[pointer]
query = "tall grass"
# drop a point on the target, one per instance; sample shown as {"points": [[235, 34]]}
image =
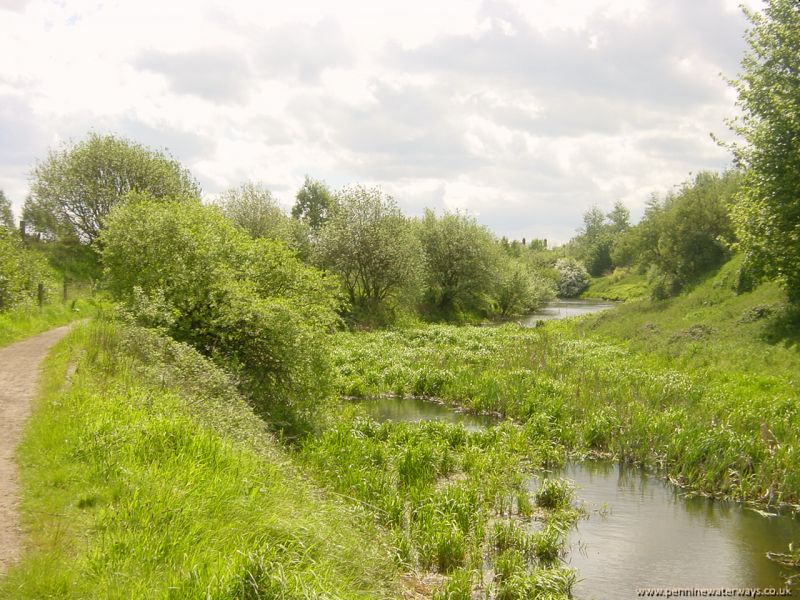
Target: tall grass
{"points": [[714, 402], [25, 321], [148, 477]]}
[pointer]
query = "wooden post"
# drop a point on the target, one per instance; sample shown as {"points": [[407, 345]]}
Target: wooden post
{"points": [[22, 230], [40, 295]]}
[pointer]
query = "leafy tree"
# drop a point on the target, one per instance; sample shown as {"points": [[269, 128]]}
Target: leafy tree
{"points": [[596, 239], [22, 269], [767, 213], [6, 214], [573, 277], [313, 203], [461, 260], [74, 189], [519, 291], [684, 235], [250, 304], [370, 244], [253, 209]]}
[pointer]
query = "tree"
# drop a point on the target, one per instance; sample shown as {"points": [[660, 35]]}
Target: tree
{"points": [[573, 278], [249, 304], [767, 211], [22, 269], [313, 203], [461, 261], [6, 214], [370, 245], [74, 189], [253, 209]]}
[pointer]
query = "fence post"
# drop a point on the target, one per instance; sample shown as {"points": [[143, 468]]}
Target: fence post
{"points": [[40, 295]]}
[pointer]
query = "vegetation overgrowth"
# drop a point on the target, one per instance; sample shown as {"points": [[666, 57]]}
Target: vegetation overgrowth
{"points": [[722, 422], [455, 502], [23, 322], [148, 476]]}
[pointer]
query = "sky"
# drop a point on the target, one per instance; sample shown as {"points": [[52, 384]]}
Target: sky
{"points": [[522, 113]]}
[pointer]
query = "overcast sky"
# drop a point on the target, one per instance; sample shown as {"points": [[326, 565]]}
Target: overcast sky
{"points": [[524, 113]]}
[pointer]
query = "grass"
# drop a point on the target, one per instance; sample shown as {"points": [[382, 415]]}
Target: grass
{"points": [[437, 489], [22, 322], [703, 386], [620, 285], [149, 477]]}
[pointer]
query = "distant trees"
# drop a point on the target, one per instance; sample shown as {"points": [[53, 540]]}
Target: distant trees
{"points": [[767, 211], [461, 260], [6, 215], [594, 242], [74, 189], [253, 209], [572, 277], [684, 235], [370, 245], [313, 203]]}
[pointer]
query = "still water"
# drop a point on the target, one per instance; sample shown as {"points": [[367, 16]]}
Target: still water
{"points": [[642, 532], [564, 308], [416, 409]]}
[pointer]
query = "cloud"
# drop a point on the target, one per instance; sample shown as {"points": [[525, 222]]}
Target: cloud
{"points": [[299, 52], [217, 75], [524, 113]]}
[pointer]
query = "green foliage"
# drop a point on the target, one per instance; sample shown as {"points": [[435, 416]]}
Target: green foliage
{"points": [[572, 277], [313, 203], [251, 304], [74, 189], [622, 284], [683, 236], [254, 210], [600, 231], [704, 357], [767, 211], [6, 214], [150, 477], [462, 262], [554, 494], [370, 245], [22, 269], [519, 291]]}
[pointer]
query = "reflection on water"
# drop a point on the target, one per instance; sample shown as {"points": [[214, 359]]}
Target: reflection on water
{"points": [[417, 409], [642, 532], [561, 309]]}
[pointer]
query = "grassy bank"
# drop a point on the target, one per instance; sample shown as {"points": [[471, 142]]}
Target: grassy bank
{"points": [[621, 285], [724, 430], [23, 322], [148, 477]]}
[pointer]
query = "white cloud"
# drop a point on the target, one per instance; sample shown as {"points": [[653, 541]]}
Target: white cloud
{"points": [[522, 112]]}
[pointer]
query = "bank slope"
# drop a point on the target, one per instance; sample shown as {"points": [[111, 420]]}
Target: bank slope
{"points": [[148, 477]]}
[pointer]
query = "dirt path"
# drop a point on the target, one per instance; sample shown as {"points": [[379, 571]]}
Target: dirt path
{"points": [[20, 364]]}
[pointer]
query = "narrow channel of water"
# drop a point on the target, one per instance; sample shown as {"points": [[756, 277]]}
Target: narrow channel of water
{"points": [[565, 308], [417, 409], [642, 532]]}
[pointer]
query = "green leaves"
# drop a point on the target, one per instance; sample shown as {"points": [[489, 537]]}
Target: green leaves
{"points": [[75, 188], [767, 212], [250, 304]]}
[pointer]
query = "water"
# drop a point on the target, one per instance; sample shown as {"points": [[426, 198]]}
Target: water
{"points": [[644, 532], [417, 409], [562, 309]]}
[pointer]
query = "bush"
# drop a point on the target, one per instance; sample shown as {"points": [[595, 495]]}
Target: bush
{"points": [[572, 277], [249, 304], [21, 271]]}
